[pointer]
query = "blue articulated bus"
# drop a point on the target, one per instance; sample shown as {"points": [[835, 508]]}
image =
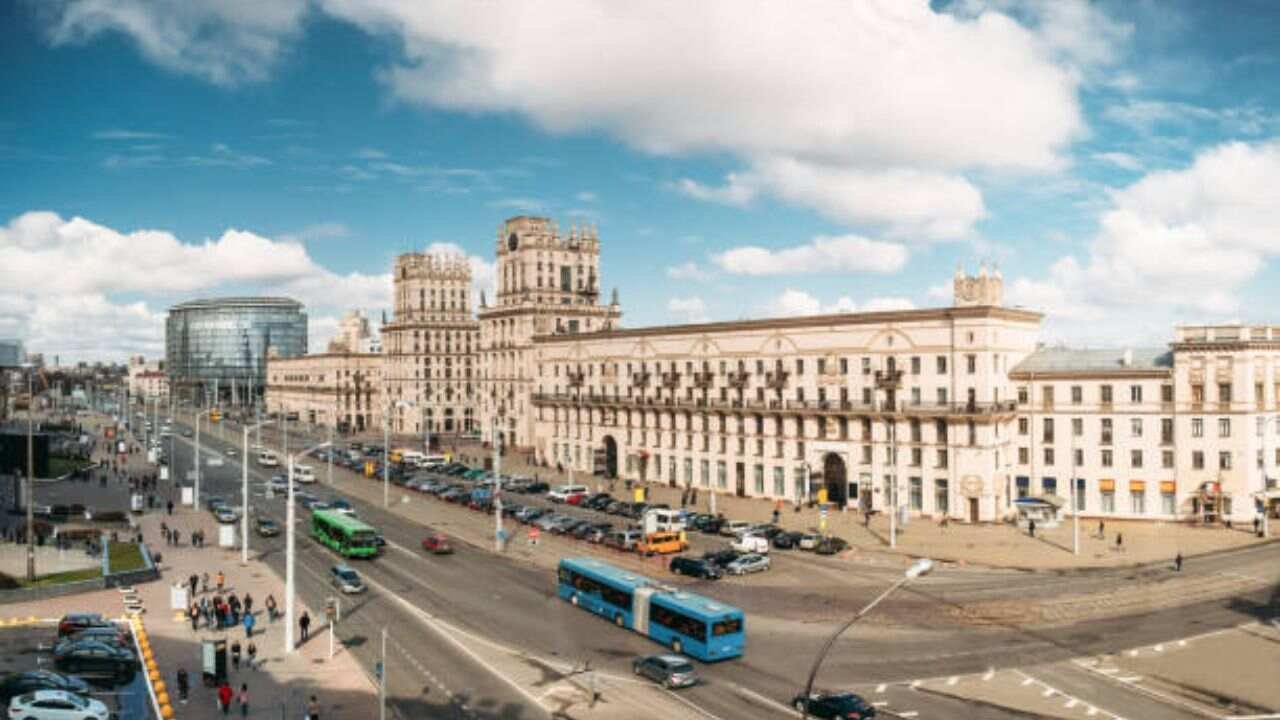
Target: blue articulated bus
{"points": [[687, 623]]}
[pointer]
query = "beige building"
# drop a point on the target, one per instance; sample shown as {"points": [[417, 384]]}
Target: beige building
{"points": [[547, 284], [355, 335], [342, 390], [147, 379], [431, 346]]}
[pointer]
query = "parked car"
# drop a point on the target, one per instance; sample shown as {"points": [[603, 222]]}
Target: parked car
{"points": [[537, 487], [95, 658], [113, 635], [834, 705], [598, 501], [809, 541], [267, 527], [729, 528], [586, 529], [694, 567], [616, 507], [670, 671], [750, 543], [437, 544], [787, 540], [623, 539], [598, 532], [224, 514], [18, 683], [528, 514], [750, 563], [75, 622], [661, 543], [831, 546], [57, 705], [721, 558], [346, 579], [564, 492]]}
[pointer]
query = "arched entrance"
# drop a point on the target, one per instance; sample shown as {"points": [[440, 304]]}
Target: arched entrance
{"points": [[836, 478], [610, 457]]}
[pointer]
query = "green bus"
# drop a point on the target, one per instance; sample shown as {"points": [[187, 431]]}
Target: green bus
{"points": [[344, 534]]}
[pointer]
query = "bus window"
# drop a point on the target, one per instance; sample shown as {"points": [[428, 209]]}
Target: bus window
{"points": [[731, 626]]}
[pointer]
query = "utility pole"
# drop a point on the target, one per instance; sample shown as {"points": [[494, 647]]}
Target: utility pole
{"points": [[196, 490], [497, 480], [244, 500], [329, 454], [1075, 507], [290, 561], [31, 476], [382, 679], [893, 489]]}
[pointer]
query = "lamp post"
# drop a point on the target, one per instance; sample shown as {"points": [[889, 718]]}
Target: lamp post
{"points": [[31, 472], [497, 480], [1075, 506], [290, 551], [920, 568], [195, 493], [893, 488], [1266, 530], [386, 449], [244, 494]]}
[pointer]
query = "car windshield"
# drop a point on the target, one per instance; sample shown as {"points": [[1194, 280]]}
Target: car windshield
{"points": [[349, 576], [681, 668]]}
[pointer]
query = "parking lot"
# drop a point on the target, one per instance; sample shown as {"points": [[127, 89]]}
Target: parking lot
{"points": [[30, 647]]}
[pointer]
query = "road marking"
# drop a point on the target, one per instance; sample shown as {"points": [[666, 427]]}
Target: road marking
{"points": [[908, 714], [880, 688], [761, 698], [990, 673], [952, 680], [1050, 691]]}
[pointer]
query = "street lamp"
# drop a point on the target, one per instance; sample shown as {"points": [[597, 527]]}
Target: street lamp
{"points": [[244, 493], [1075, 505], [1266, 531], [31, 471], [195, 493], [386, 449], [290, 552], [920, 568]]}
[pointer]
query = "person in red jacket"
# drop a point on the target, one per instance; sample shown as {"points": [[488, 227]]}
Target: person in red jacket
{"points": [[225, 695]]}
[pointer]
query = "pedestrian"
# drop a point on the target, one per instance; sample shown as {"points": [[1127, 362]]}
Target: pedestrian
{"points": [[235, 655], [304, 623], [313, 709], [184, 685], [204, 580], [252, 653], [1119, 541], [1031, 527], [221, 580], [1177, 562], [1102, 530], [244, 700], [170, 507], [194, 582], [224, 697], [248, 603], [248, 625], [1257, 525], [194, 612], [271, 608], [177, 537], [164, 529]]}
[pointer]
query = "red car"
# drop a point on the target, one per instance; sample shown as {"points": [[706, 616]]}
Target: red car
{"points": [[437, 545], [576, 499]]}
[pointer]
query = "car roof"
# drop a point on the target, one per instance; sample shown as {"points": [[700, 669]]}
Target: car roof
{"points": [[343, 566], [670, 659], [37, 695]]}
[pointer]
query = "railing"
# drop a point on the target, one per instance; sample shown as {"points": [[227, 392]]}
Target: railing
{"points": [[739, 379], [703, 379], [775, 404], [776, 379], [671, 380], [888, 379]]}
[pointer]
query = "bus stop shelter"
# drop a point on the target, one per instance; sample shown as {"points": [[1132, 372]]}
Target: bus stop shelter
{"points": [[1046, 511]]}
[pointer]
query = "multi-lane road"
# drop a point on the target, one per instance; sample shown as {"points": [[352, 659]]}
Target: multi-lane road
{"points": [[457, 622]]}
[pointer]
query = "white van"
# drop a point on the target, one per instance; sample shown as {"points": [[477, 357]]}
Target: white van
{"points": [[266, 458], [663, 520], [304, 474], [562, 493], [412, 458]]}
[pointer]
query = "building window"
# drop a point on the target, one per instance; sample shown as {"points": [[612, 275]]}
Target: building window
{"points": [[1166, 430], [1022, 395], [1106, 431], [1024, 456], [704, 469], [942, 458], [1023, 485], [1077, 457], [916, 493], [1106, 458], [1224, 460], [915, 365], [1166, 459], [1024, 426], [1077, 394], [1224, 427], [1106, 394], [1048, 456], [720, 474], [1080, 496], [1135, 458], [971, 363], [1077, 427], [779, 482], [1166, 393], [1168, 503], [941, 498], [1135, 427], [866, 366], [1197, 459], [1197, 427], [1135, 393], [1108, 501], [1138, 502], [1048, 430], [1224, 392], [759, 479]]}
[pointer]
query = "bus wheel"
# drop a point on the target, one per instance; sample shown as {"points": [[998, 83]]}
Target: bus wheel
{"points": [[617, 619], [574, 600], [677, 646]]}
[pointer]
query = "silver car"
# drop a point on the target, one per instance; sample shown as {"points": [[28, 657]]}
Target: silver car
{"points": [[748, 564], [670, 671]]}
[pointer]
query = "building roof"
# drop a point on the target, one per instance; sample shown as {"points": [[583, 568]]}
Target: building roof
{"points": [[1072, 361], [231, 302]]}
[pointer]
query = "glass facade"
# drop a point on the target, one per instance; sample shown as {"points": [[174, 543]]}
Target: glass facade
{"points": [[220, 347]]}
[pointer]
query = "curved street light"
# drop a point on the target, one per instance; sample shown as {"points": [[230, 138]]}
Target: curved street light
{"points": [[244, 490], [918, 569], [290, 542]]}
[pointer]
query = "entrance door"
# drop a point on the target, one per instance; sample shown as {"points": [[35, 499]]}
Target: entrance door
{"points": [[740, 475], [973, 510], [610, 457], [835, 478]]}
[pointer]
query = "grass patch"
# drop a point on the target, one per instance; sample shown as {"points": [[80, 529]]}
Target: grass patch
{"points": [[61, 578], [60, 466], [126, 557]]}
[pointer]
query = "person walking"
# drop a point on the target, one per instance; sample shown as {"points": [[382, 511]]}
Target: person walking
{"points": [[177, 537], [1119, 541], [248, 625], [204, 582], [313, 709], [1177, 562], [194, 614], [304, 624], [1102, 530], [194, 582], [251, 653], [243, 699], [224, 697], [184, 685], [271, 608], [1031, 527], [235, 656], [221, 580], [169, 506]]}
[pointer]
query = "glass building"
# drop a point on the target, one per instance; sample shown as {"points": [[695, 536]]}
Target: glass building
{"points": [[11, 353], [217, 349]]}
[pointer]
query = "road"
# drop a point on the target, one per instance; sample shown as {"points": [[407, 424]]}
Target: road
{"points": [[494, 598]]}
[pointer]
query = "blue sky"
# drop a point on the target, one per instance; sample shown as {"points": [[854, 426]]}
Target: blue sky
{"points": [[1118, 160]]}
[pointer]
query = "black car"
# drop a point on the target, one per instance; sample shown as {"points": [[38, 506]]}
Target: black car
{"points": [[720, 558], [616, 507], [15, 684], [709, 524], [75, 622], [787, 540], [90, 657], [599, 501], [834, 705], [110, 634], [694, 567], [536, 487], [830, 546]]}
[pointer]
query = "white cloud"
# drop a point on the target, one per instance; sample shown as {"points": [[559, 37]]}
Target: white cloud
{"points": [[369, 153], [689, 310], [824, 254], [319, 231], [586, 196], [1122, 160], [1186, 241], [224, 42], [128, 135], [738, 190], [792, 302], [107, 297], [688, 271], [523, 204]]}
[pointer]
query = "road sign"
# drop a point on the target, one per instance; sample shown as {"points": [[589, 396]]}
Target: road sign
{"points": [[822, 496]]}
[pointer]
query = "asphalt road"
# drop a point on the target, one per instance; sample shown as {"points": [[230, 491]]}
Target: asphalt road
{"points": [[498, 599]]}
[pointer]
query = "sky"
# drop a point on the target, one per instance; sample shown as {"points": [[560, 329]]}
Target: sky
{"points": [[1119, 162]]}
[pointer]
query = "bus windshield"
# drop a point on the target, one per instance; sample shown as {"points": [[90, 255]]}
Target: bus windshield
{"points": [[363, 538]]}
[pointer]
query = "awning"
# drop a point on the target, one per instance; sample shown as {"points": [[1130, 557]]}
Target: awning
{"points": [[1137, 486], [1168, 486], [1106, 485]]}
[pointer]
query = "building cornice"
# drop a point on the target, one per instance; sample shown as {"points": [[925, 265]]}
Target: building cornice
{"points": [[1224, 345], [1117, 374]]}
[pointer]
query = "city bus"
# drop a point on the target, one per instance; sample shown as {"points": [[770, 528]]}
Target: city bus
{"points": [[344, 534], [687, 623]]}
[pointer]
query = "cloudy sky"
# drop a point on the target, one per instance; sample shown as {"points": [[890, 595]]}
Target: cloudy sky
{"points": [[1120, 161]]}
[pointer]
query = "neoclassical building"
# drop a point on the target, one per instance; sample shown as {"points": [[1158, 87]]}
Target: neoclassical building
{"points": [[957, 410]]}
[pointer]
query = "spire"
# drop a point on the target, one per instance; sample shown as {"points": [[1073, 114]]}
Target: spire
{"points": [[482, 301], [614, 300]]}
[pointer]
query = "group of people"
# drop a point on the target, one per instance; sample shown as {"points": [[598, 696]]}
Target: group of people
{"points": [[221, 613]]}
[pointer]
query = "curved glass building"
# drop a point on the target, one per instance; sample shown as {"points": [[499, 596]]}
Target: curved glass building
{"points": [[217, 349]]}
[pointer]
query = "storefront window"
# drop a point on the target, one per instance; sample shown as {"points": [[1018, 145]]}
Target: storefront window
{"points": [[941, 496], [779, 482], [1138, 502], [1108, 502], [917, 493], [720, 474], [759, 478], [1168, 503]]}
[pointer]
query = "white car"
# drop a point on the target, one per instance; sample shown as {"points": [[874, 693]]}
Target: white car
{"points": [[748, 564], [751, 543], [224, 514], [214, 461], [564, 492], [733, 527], [57, 705]]}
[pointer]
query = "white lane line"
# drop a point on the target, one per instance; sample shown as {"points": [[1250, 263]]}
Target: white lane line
{"points": [[762, 699], [990, 673], [880, 688], [953, 680], [1050, 691]]}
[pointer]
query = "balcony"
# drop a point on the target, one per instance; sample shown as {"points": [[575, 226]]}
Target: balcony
{"points": [[739, 379], [777, 379], [641, 379], [575, 378], [888, 379], [703, 380], [671, 380]]}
